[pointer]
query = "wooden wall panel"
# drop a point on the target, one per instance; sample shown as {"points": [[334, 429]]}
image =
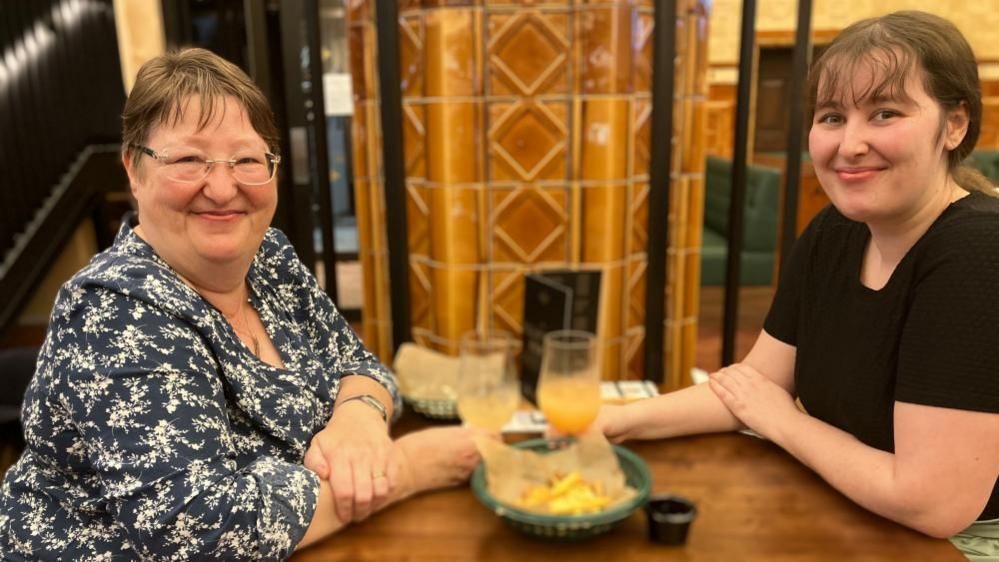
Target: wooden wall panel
{"points": [[989, 138], [720, 120], [139, 27], [978, 21]]}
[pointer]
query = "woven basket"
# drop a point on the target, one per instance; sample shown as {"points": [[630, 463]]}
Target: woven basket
{"points": [[437, 409], [570, 527]]}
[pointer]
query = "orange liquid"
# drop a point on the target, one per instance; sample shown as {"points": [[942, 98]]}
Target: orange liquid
{"points": [[570, 404]]}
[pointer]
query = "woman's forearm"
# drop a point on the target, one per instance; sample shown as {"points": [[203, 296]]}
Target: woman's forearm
{"points": [[866, 475], [324, 521], [688, 411], [870, 477], [937, 477], [696, 409]]}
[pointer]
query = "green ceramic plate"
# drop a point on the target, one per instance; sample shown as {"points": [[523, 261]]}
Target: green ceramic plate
{"points": [[570, 527]]}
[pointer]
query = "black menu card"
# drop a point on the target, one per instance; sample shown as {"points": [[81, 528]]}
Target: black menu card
{"points": [[559, 299]]}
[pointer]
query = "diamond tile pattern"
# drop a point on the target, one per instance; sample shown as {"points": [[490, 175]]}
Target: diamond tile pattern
{"points": [[411, 71], [642, 137], [639, 211], [420, 294], [529, 225], [528, 141], [418, 218], [636, 293], [507, 302], [528, 54], [642, 46], [414, 138]]}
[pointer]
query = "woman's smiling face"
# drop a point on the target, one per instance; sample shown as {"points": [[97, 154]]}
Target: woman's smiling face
{"points": [[881, 152], [215, 221]]}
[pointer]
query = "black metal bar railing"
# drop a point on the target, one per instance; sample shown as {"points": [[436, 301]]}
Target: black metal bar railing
{"points": [[737, 200], [387, 17], [660, 170], [800, 61], [316, 117], [60, 93]]}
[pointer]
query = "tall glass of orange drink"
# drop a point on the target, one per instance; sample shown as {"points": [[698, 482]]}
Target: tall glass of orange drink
{"points": [[488, 389], [569, 383]]}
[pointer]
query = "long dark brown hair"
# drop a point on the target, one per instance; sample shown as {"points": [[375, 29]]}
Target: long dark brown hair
{"points": [[895, 46]]}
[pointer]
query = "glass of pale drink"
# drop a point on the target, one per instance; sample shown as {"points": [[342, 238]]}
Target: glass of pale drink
{"points": [[488, 389]]}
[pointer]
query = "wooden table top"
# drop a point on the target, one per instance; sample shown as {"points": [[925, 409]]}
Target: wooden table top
{"points": [[755, 503]]}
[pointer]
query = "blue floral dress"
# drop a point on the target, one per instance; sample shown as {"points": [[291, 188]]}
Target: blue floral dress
{"points": [[154, 434]]}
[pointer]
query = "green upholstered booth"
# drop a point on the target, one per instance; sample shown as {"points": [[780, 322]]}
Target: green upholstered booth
{"points": [[760, 221], [987, 162]]}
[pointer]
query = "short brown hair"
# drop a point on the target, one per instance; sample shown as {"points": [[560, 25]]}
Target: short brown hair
{"points": [[896, 45], [164, 84]]}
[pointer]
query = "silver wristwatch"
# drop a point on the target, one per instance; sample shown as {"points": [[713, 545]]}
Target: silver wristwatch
{"points": [[370, 401]]}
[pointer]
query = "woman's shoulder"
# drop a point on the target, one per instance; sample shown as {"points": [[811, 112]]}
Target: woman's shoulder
{"points": [[126, 305], [276, 246], [972, 209], [123, 267], [127, 271], [963, 243], [276, 260], [970, 225], [276, 237]]}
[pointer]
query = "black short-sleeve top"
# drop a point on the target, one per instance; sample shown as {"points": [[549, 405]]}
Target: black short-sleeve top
{"points": [[929, 336]]}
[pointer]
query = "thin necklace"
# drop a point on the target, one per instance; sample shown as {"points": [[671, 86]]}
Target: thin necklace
{"points": [[231, 318], [246, 326]]}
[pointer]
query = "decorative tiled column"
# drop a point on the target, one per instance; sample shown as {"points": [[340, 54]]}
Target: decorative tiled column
{"points": [[369, 186], [526, 134], [687, 190]]}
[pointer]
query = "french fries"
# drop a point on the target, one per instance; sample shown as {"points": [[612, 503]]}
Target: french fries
{"points": [[566, 495]]}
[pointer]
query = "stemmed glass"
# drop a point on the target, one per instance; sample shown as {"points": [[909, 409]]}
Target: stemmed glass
{"points": [[488, 389], [569, 383]]}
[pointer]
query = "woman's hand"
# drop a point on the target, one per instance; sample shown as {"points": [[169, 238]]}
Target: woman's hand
{"points": [[611, 422], [757, 401], [355, 453]]}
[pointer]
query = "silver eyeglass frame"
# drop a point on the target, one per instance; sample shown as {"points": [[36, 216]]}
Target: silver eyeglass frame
{"points": [[209, 163]]}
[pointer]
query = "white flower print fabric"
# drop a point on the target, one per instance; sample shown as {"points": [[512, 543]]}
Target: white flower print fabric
{"points": [[154, 434]]}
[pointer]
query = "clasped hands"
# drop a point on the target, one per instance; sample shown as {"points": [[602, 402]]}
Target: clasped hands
{"points": [[355, 453], [758, 402]]}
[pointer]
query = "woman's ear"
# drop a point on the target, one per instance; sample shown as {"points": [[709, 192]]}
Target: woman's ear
{"points": [[128, 161], [957, 126]]}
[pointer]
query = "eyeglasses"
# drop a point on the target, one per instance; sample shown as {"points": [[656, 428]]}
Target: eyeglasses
{"points": [[188, 165]]}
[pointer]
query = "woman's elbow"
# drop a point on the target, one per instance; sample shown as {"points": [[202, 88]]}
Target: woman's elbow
{"points": [[940, 519], [940, 529], [939, 508]]}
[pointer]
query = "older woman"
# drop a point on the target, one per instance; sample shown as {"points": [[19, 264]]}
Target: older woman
{"points": [[198, 396], [886, 321]]}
